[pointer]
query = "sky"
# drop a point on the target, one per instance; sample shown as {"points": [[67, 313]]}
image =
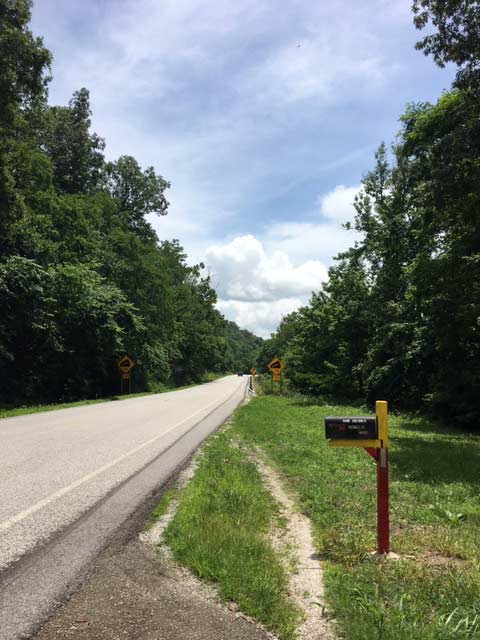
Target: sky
{"points": [[263, 114]]}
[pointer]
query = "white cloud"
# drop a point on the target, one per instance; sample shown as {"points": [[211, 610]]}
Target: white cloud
{"points": [[338, 204], [316, 68], [321, 238], [260, 280], [261, 318], [243, 271], [256, 288]]}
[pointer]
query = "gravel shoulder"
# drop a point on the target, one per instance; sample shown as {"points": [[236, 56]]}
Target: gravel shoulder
{"points": [[134, 593]]}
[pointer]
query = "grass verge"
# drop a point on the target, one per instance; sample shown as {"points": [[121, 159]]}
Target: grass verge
{"points": [[220, 531], [435, 513]]}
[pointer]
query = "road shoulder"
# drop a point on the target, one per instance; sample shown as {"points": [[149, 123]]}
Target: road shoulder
{"points": [[133, 593]]}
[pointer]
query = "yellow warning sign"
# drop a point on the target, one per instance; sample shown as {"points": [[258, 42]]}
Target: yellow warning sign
{"points": [[125, 364], [276, 366]]}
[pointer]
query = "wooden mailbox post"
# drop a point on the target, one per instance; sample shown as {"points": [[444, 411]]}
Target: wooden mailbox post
{"points": [[369, 433]]}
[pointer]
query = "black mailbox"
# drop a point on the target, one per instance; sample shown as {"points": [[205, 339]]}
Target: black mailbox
{"points": [[351, 428]]}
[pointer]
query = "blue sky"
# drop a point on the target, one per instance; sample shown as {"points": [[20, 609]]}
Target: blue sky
{"points": [[264, 115]]}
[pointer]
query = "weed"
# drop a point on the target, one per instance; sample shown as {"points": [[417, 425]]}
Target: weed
{"points": [[162, 506]]}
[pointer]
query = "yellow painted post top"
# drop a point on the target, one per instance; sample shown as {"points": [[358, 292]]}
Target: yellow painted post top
{"points": [[359, 444], [381, 410]]}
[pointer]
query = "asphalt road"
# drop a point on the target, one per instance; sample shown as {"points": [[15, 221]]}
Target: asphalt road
{"points": [[70, 478]]}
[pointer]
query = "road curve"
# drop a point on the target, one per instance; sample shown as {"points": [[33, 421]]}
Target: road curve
{"points": [[70, 478]]}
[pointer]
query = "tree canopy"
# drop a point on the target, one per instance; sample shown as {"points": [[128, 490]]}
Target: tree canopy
{"points": [[456, 38], [399, 317], [83, 276]]}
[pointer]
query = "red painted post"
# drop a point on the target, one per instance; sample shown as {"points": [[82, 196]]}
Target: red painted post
{"points": [[383, 517]]}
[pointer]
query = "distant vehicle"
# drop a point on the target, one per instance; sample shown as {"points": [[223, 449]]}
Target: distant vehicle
{"points": [[240, 373]]}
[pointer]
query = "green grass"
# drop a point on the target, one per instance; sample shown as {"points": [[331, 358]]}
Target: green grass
{"points": [[162, 506], [221, 532], [435, 514], [11, 412]]}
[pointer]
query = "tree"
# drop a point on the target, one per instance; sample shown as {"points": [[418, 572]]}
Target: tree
{"points": [[136, 192], [24, 70], [398, 318], [83, 276], [442, 143], [76, 154], [457, 36], [242, 348], [24, 66], [28, 333]]}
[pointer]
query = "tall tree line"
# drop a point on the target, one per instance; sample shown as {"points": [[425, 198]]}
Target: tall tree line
{"points": [[399, 317], [83, 275]]}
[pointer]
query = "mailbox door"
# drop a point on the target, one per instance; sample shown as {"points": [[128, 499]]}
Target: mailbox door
{"points": [[351, 428]]}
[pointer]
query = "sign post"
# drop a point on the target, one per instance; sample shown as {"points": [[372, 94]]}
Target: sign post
{"points": [[125, 366], [371, 434]]}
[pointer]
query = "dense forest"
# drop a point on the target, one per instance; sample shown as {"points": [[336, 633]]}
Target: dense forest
{"points": [[399, 318], [83, 275]]}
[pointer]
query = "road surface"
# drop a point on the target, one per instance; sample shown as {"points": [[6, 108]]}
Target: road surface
{"points": [[70, 478]]}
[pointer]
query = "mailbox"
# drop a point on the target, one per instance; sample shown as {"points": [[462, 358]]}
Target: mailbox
{"points": [[351, 428]]}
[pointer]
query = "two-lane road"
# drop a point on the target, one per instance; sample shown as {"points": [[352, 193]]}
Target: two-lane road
{"points": [[69, 478]]}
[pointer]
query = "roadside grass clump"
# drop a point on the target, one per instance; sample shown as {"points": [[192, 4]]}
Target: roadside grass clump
{"points": [[433, 591], [220, 531], [162, 506]]}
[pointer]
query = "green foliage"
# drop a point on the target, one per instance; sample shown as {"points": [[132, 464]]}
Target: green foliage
{"points": [[457, 35], [76, 154], [136, 192], [23, 80], [62, 328], [398, 318], [83, 276], [433, 591], [242, 348], [24, 59]]}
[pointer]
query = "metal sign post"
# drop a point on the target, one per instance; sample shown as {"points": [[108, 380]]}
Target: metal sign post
{"points": [[370, 434], [125, 381]]}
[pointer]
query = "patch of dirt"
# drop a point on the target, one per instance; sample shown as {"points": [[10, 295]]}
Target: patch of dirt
{"points": [[296, 545], [132, 594], [137, 592], [435, 559]]}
